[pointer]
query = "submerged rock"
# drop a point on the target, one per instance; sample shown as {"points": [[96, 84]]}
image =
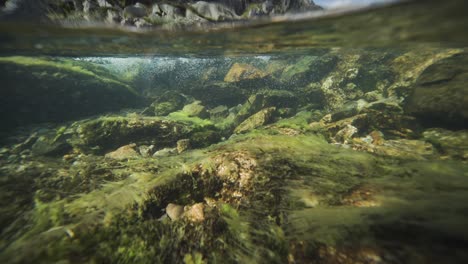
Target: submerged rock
{"points": [[165, 152], [166, 103], [385, 115], [440, 96], [453, 144], [146, 151], [345, 134], [47, 142], [257, 120], [174, 211], [183, 145], [241, 72], [111, 132], [308, 69], [46, 90], [218, 112], [254, 104], [195, 213], [348, 110], [124, 153], [195, 109], [205, 138], [248, 184], [398, 148], [48, 146]]}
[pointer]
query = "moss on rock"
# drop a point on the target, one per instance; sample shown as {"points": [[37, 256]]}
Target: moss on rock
{"points": [[45, 90], [108, 133]]}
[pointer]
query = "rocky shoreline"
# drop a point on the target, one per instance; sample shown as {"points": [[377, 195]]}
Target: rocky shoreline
{"points": [[141, 14]]}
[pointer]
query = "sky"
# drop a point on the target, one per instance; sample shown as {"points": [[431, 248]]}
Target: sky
{"points": [[340, 3]]}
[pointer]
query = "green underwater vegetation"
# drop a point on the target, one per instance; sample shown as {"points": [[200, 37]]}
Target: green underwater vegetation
{"points": [[326, 141]]}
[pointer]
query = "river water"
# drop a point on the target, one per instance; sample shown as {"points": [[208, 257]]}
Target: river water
{"points": [[334, 136]]}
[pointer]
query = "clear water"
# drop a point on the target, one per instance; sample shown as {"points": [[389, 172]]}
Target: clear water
{"points": [[331, 137]]}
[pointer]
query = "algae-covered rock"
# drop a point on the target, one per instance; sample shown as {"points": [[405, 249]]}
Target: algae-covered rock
{"points": [[280, 98], [48, 146], [403, 149], [347, 188], [218, 112], [345, 134], [343, 74], [349, 109], [167, 103], [165, 152], [452, 144], [49, 142], [183, 145], [385, 115], [257, 120], [51, 90], [308, 69], [108, 133], [124, 153], [240, 72], [146, 151], [410, 65], [195, 109], [440, 95], [288, 190], [204, 138], [254, 104]]}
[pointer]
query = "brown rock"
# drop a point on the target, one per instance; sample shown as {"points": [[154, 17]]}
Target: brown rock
{"points": [[241, 71], [183, 145], [123, 153], [259, 119], [174, 211], [195, 213]]}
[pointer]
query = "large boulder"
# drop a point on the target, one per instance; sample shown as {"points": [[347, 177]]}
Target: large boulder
{"points": [[440, 96], [46, 90]]}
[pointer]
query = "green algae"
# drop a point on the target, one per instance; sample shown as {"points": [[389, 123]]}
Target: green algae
{"points": [[299, 122], [272, 216], [194, 121], [110, 132], [278, 193], [65, 67]]}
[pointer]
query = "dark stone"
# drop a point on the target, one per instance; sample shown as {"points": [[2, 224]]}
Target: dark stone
{"points": [[40, 90], [440, 96]]}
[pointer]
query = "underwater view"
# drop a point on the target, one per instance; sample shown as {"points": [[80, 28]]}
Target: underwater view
{"points": [[233, 131]]}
